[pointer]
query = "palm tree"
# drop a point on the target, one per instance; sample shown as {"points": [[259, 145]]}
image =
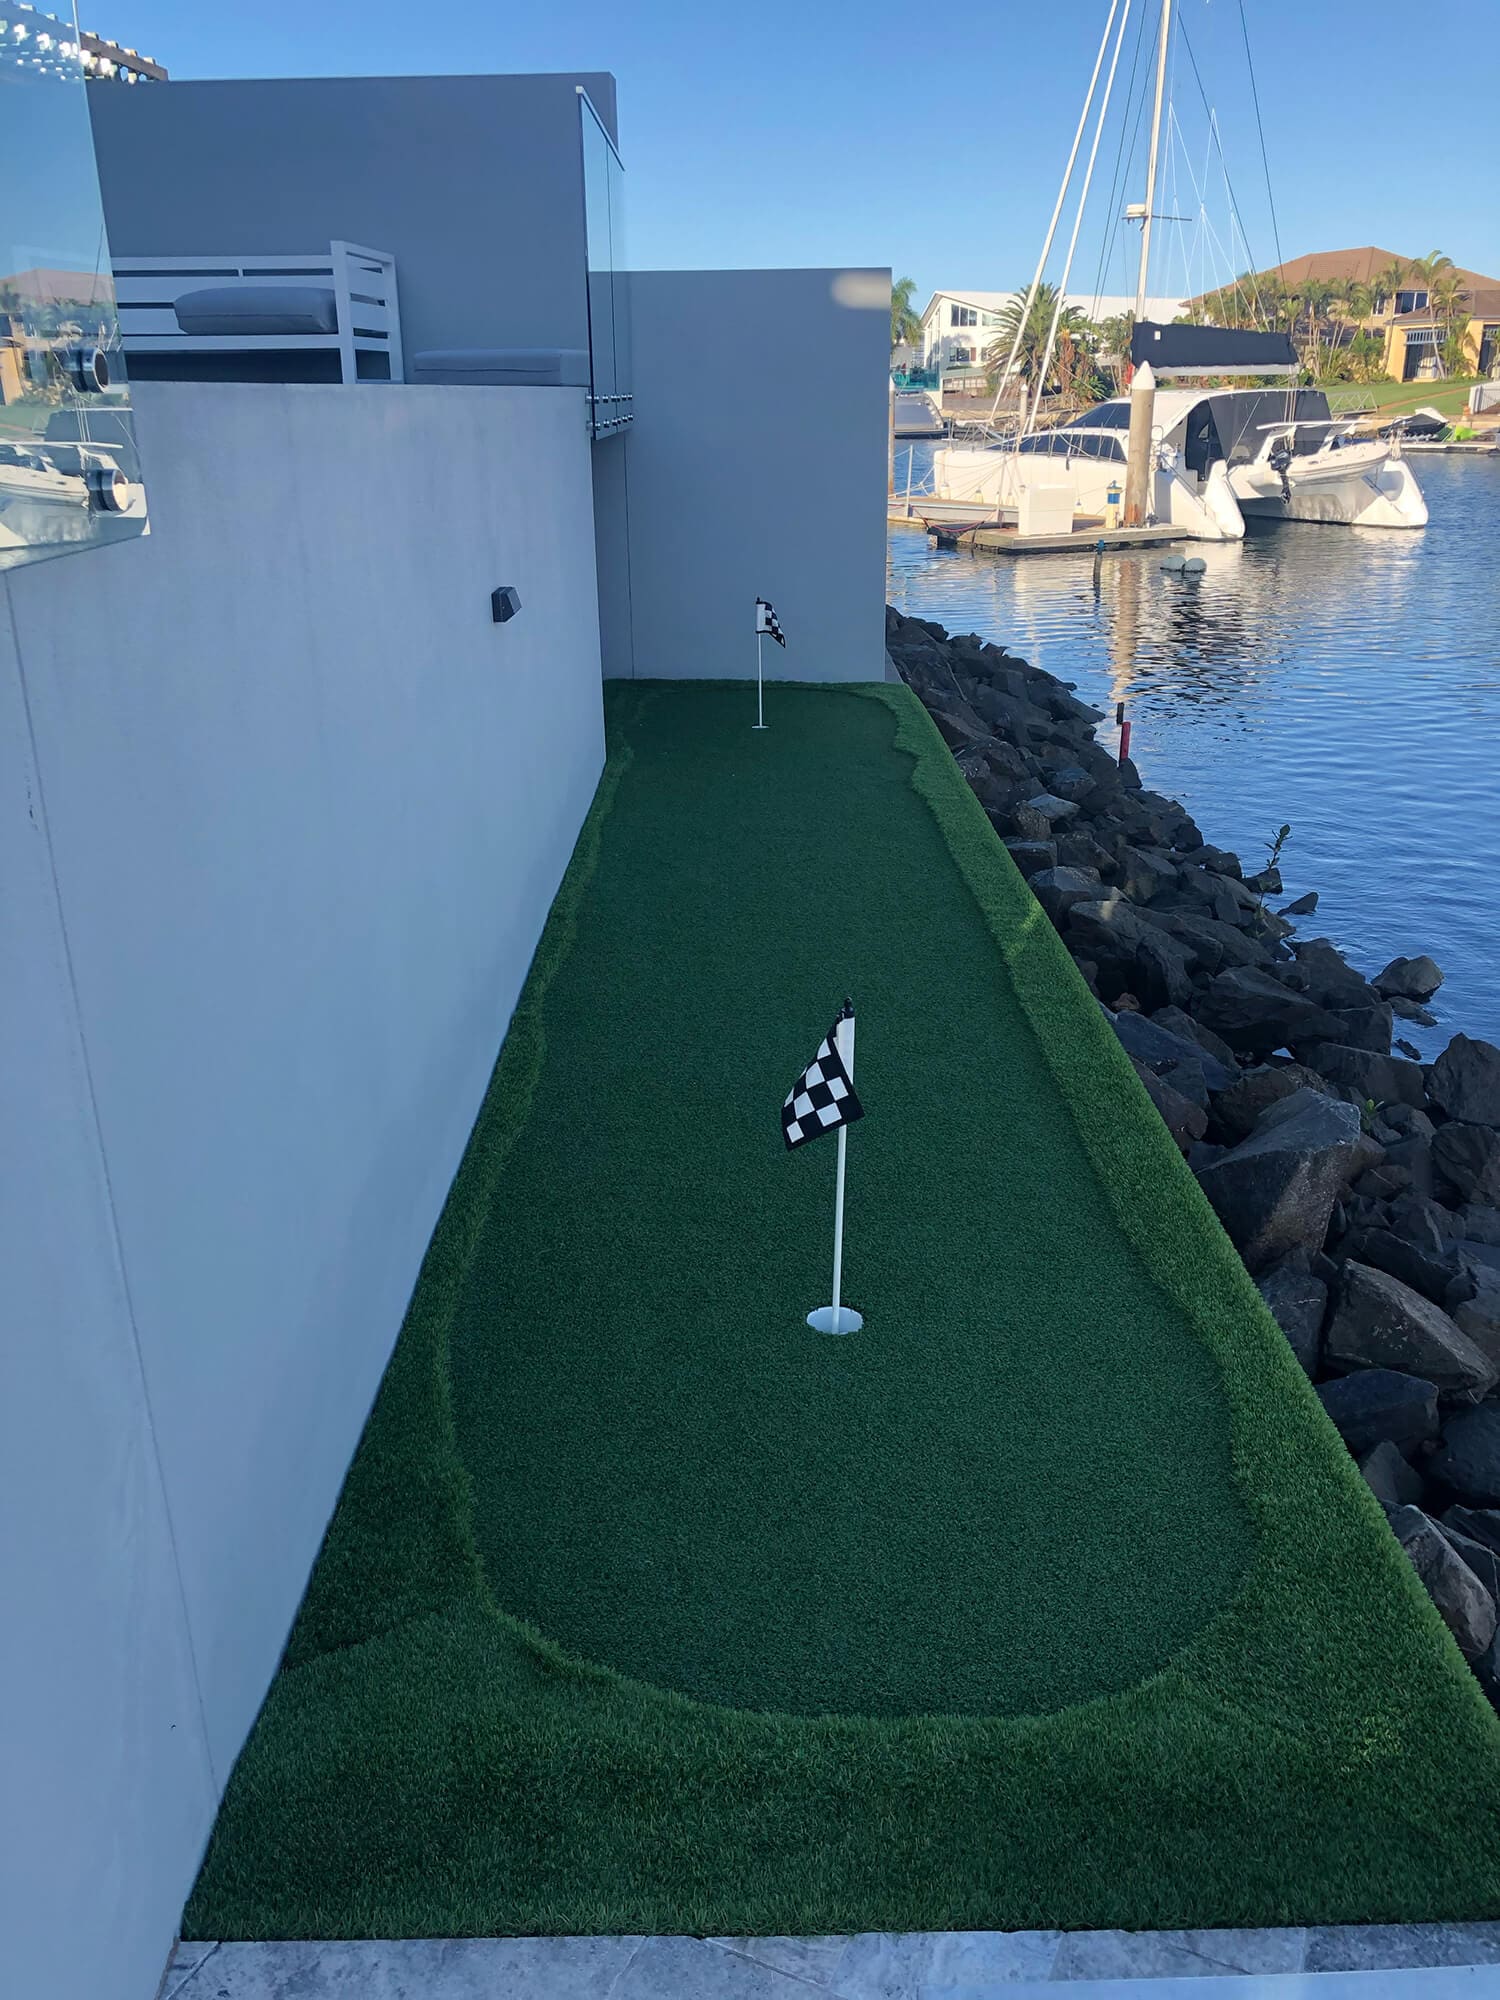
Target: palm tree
{"points": [[1447, 295], [1035, 327], [906, 327], [1317, 299], [1113, 345], [1349, 306], [1388, 282], [1433, 265], [1448, 298]]}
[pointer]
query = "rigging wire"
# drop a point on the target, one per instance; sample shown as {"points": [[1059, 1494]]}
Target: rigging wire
{"points": [[1062, 195], [1264, 156], [1235, 211], [1062, 288], [1113, 221]]}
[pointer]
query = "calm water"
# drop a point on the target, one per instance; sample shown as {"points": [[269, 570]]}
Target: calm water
{"points": [[1346, 680]]}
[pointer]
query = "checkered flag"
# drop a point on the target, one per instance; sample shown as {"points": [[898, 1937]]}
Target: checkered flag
{"points": [[766, 620], [823, 1096]]}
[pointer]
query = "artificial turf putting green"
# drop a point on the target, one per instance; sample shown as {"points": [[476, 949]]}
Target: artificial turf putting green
{"points": [[1051, 1599]]}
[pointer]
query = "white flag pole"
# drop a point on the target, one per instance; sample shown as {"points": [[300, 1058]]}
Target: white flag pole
{"points": [[838, 1229], [760, 700], [839, 1318]]}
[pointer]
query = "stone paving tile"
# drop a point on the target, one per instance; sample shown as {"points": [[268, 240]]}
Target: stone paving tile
{"points": [[1367, 1947], [681, 1968], [417, 1969], [989, 1959], [1165, 1954], [812, 1958], [1447, 1982], [885, 1965], [184, 1962]]}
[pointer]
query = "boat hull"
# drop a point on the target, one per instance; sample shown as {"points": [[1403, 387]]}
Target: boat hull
{"points": [[1383, 494]]}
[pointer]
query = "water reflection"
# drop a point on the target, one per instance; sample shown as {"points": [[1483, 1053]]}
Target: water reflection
{"points": [[1345, 679], [69, 474]]}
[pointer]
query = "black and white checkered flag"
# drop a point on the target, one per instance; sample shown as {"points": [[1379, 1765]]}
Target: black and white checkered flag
{"points": [[766, 620], [823, 1096]]}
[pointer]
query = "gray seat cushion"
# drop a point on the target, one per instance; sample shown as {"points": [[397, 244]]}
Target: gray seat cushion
{"points": [[538, 367], [258, 309]]}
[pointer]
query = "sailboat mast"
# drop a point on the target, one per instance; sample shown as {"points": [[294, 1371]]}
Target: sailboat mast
{"points": [[1164, 34]]}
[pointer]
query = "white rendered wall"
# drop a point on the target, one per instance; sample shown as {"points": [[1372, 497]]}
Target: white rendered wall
{"points": [[282, 816], [756, 466]]}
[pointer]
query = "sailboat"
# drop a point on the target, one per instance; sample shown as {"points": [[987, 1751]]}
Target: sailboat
{"points": [[1196, 460]]}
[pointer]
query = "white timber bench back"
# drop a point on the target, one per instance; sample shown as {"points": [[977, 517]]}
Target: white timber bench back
{"points": [[341, 300]]}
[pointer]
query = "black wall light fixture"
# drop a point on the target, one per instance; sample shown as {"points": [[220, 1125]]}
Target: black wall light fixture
{"points": [[504, 603]]}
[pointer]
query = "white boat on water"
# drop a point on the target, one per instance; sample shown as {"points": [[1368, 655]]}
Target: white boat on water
{"points": [[1204, 458], [1217, 456]]}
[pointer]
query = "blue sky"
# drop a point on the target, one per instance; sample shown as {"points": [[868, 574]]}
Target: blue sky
{"points": [[782, 133]]}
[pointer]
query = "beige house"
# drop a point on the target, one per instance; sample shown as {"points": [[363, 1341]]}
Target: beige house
{"points": [[1414, 341]]}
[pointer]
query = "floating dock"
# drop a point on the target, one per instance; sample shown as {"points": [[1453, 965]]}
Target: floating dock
{"points": [[1086, 537], [953, 526]]}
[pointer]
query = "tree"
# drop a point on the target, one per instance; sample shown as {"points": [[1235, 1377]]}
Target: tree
{"points": [[1112, 346], [1349, 305], [906, 327], [1455, 351], [1035, 327], [1432, 266], [1449, 301], [1388, 282], [1366, 356], [1318, 296], [1448, 296]]}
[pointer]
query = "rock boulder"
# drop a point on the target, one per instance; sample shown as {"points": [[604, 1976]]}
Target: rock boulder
{"points": [[1386, 1079], [1408, 979], [1480, 1524], [1465, 1081], [1331, 979], [1256, 1014], [1275, 1192], [1469, 1460], [1393, 1481], [1238, 1110], [1032, 855], [1428, 1271], [1159, 1046], [1058, 889], [1378, 1406], [1298, 1301], [1468, 1158], [1377, 1322], [1467, 1607]]}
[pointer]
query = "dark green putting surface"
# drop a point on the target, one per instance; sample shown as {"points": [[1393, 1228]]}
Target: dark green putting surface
{"points": [[1012, 1491], [1049, 1599]]}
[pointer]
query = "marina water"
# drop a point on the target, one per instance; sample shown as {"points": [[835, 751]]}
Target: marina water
{"points": [[1344, 680]]}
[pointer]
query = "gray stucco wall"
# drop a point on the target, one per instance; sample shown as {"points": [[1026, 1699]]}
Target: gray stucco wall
{"points": [[283, 812], [756, 465], [473, 183]]}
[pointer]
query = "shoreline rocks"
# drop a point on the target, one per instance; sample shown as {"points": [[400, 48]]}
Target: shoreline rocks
{"points": [[1360, 1183]]}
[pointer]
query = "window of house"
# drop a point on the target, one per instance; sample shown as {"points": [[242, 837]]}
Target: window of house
{"points": [[964, 316], [962, 355], [989, 319], [1411, 302]]}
